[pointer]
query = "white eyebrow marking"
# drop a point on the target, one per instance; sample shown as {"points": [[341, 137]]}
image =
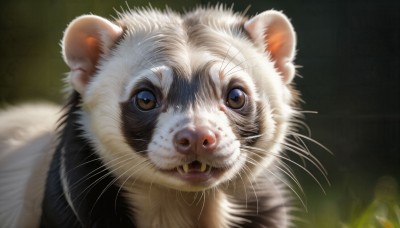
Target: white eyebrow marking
{"points": [[215, 74], [221, 76], [160, 77], [166, 75]]}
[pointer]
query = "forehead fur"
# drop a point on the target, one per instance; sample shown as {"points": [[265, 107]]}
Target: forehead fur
{"points": [[150, 19], [172, 38]]}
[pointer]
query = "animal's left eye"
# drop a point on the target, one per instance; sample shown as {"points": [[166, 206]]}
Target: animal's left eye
{"points": [[145, 100], [236, 98]]}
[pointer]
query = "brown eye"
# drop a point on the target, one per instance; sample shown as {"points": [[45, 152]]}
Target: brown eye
{"points": [[236, 99], [145, 100]]}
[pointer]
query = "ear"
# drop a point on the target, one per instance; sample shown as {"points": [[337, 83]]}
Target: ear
{"points": [[85, 40], [273, 31]]}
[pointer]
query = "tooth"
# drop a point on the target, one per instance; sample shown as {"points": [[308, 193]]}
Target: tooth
{"points": [[185, 168], [203, 167]]}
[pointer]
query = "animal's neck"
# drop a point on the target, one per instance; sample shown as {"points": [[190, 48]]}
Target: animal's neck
{"points": [[79, 188], [157, 206]]}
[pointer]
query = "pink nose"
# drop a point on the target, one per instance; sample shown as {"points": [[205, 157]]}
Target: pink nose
{"points": [[201, 140]]}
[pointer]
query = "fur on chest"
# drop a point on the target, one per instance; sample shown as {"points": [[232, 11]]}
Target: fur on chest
{"points": [[268, 204], [170, 208]]}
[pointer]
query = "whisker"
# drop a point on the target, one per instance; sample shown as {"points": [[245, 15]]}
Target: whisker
{"points": [[184, 199], [150, 187], [289, 160], [244, 188], [245, 168], [303, 149], [230, 60], [313, 141], [129, 177], [242, 69], [292, 177], [106, 174], [288, 172], [148, 164], [226, 55], [308, 112], [301, 124], [238, 65], [202, 206], [298, 141], [87, 177], [290, 187], [101, 168], [311, 158]]}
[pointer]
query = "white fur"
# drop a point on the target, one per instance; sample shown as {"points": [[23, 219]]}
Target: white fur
{"points": [[159, 200], [104, 130], [27, 139], [160, 207], [160, 76], [244, 60], [65, 184]]}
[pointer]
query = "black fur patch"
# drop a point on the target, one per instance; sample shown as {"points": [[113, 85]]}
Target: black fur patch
{"points": [[97, 200], [190, 90], [266, 216], [137, 125], [266, 205], [248, 121]]}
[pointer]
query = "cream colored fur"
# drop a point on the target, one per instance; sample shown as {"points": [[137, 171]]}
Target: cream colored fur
{"points": [[27, 139], [156, 197], [138, 175]]}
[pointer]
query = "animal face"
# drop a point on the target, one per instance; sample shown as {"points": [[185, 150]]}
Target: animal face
{"points": [[190, 101]]}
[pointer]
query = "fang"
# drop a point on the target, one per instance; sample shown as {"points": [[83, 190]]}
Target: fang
{"points": [[185, 168], [203, 167]]}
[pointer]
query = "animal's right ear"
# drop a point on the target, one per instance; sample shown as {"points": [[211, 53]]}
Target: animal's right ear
{"points": [[85, 40]]}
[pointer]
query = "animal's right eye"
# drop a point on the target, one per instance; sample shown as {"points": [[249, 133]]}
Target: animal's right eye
{"points": [[236, 98], [145, 100]]}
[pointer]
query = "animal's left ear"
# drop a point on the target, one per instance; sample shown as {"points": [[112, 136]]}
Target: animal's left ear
{"points": [[273, 31]]}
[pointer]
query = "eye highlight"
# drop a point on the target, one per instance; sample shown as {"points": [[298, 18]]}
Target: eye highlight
{"points": [[236, 98], [145, 100]]}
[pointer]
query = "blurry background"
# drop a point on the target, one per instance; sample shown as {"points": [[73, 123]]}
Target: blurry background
{"points": [[350, 53]]}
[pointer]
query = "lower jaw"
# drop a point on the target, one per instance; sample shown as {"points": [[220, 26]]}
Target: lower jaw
{"points": [[198, 179]]}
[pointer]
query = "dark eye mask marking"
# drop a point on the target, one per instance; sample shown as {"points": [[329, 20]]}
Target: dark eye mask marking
{"points": [[138, 122]]}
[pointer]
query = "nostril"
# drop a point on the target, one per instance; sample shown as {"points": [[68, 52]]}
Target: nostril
{"points": [[208, 139], [184, 140], [199, 140]]}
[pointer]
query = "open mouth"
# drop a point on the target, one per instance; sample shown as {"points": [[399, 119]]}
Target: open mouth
{"points": [[197, 172], [194, 167]]}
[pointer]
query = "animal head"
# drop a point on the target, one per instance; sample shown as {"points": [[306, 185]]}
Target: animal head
{"points": [[185, 101]]}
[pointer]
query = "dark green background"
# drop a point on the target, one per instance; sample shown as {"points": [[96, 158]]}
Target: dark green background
{"points": [[349, 50]]}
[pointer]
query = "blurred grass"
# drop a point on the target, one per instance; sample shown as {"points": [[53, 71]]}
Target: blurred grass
{"points": [[31, 68], [346, 210]]}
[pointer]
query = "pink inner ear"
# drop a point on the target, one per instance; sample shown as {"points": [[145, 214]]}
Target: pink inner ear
{"points": [[273, 31], [85, 40], [93, 46], [275, 41], [280, 46], [82, 56]]}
